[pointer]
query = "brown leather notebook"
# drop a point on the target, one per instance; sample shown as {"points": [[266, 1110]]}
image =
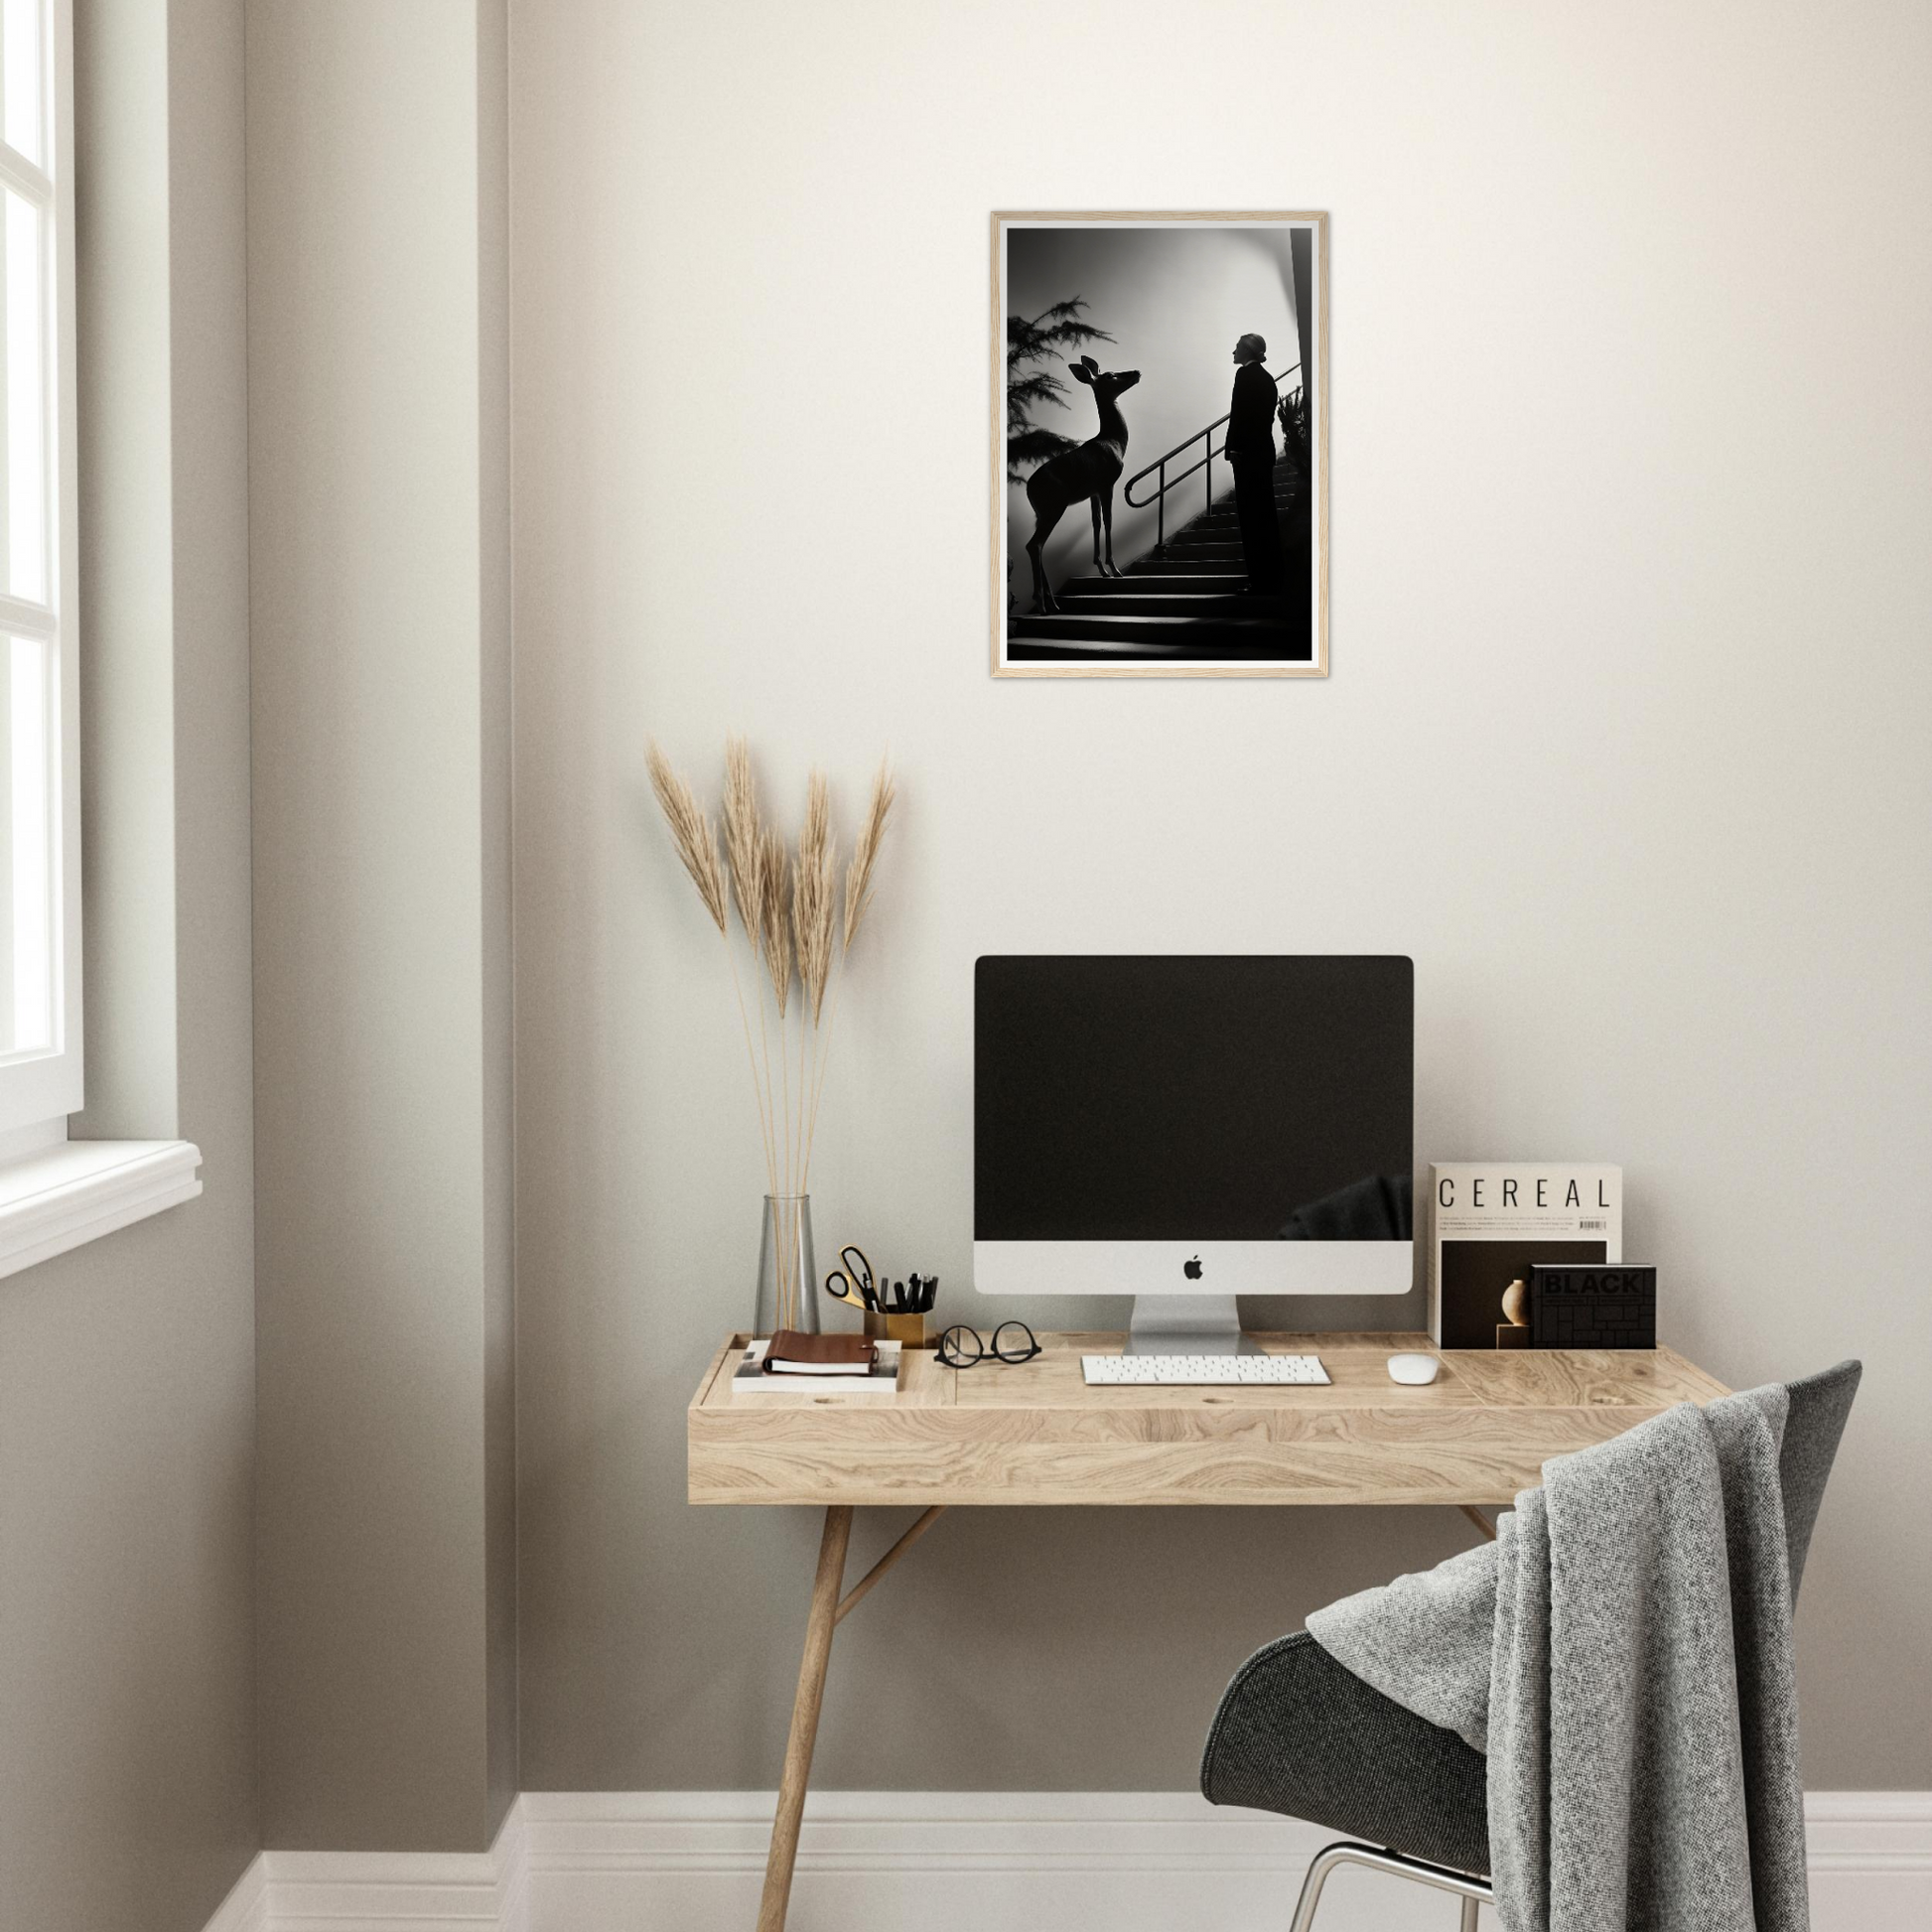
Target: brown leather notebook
{"points": [[793, 1353]]}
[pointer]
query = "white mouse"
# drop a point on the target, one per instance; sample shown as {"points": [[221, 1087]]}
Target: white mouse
{"points": [[1415, 1369]]}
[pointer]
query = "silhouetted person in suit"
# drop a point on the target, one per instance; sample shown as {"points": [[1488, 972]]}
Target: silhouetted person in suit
{"points": [[1250, 450]]}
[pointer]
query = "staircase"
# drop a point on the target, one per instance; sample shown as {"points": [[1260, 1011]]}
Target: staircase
{"points": [[1182, 603]]}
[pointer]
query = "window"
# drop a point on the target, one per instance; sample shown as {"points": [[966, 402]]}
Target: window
{"points": [[39, 846], [54, 1193]]}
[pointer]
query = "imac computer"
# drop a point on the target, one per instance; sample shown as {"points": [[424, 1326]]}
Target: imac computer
{"points": [[1184, 1130]]}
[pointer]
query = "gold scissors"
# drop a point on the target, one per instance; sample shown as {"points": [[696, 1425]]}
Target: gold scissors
{"points": [[852, 1282]]}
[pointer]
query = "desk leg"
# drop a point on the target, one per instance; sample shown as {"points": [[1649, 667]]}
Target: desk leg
{"points": [[804, 1718]]}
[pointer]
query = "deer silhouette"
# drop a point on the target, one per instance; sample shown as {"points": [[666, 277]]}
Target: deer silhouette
{"points": [[1087, 472]]}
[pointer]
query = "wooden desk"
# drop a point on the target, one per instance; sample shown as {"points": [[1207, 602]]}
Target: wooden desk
{"points": [[1032, 1434]]}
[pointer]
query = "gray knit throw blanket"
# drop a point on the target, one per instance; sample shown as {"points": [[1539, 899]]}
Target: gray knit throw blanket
{"points": [[1622, 1652]]}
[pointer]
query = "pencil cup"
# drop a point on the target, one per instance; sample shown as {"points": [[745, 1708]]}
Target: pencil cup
{"points": [[906, 1329]]}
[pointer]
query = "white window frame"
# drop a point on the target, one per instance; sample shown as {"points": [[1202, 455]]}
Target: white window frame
{"points": [[39, 1090], [55, 1193]]}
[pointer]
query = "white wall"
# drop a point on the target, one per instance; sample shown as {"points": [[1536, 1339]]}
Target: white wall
{"points": [[377, 443], [1624, 743], [127, 1679]]}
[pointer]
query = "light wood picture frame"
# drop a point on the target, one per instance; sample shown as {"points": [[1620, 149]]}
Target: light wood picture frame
{"points": [[1125, 542]]}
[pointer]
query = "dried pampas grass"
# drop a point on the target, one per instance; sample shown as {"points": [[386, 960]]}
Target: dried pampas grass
{"points": [[691, 832], [743, 847], [788, 913], [774, 917], [814, 896], [865, 852]]}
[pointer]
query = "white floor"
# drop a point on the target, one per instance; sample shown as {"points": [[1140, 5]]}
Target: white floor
{"points": [[958, 1861]]}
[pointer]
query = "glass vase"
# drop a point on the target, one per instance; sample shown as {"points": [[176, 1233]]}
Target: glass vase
{"points": [[787, 1272]]}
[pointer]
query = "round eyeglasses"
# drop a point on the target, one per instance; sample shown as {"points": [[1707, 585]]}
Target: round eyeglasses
{"points": [[962, 1347]]}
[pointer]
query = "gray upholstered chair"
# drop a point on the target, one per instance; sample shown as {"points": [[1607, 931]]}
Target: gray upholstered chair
{"points": [[1298, 1734]]}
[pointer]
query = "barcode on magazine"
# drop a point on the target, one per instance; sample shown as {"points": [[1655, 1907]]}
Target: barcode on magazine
{"points": [[1598, 1225]]}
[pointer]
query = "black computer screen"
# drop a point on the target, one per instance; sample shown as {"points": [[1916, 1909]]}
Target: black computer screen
{"points": [[1219, 1098]]}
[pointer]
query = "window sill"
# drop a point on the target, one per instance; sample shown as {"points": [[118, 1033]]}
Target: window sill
{"points": [[78, 1191]]}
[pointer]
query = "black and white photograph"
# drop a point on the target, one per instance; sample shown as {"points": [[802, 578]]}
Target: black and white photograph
{"points": [[1160, 449]]}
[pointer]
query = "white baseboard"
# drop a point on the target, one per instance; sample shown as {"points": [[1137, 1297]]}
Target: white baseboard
{"points": [[384, 1892], [954, 1862], [246, 1910]]}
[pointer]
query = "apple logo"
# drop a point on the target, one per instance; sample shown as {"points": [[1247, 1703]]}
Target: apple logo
{"points": [[1191, 1269]]}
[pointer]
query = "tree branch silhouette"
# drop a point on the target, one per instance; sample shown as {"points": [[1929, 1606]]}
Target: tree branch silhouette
{"points": [[1047, 338]]}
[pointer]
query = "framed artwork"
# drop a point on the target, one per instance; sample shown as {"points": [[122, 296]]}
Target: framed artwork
{"points": [[1159, 445]]}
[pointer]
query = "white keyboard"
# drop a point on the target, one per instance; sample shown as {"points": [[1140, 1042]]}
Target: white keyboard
{"points": [[1201, 1371]]}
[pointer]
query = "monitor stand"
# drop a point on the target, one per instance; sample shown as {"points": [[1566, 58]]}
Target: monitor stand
{"points": [[1186, 1325]]}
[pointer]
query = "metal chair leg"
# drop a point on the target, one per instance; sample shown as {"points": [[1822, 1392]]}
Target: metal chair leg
{"points": [[1473, 1891], [1324, 1862]]}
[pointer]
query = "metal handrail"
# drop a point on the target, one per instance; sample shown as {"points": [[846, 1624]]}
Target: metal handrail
{"points": [[1159, 464]]}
